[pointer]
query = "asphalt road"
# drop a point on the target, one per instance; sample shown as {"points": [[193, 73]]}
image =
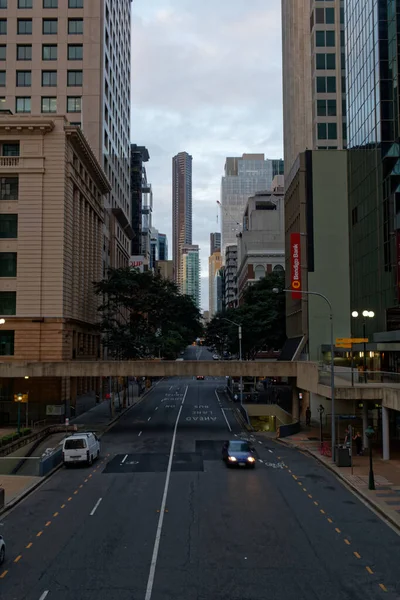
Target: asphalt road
{"points": [[286, 530]]}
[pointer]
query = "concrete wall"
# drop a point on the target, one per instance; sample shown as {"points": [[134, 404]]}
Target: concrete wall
{"points": [[330, 235]]}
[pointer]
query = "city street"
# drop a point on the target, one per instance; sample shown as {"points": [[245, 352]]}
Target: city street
{"points": [[287, 530]]}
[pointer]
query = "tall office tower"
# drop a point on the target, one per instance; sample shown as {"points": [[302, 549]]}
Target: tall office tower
{"points": [[314, 111], [243, 177], [191, 272], [72, 57], [230, 282], [139, 155], [215, 242], [162, 246], [181, 210], [214, 265], [374, 158]]}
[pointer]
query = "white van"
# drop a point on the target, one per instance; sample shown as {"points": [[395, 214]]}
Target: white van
{"points": [[81, 447]]}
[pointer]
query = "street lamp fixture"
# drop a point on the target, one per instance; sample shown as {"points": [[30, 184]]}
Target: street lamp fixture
{"points": [[333, 426], [240, 353], [366, 314], [370, 433], [2, 321]]}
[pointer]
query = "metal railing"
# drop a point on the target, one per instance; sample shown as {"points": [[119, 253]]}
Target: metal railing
{"points": [[351, 377], [9, 161]]}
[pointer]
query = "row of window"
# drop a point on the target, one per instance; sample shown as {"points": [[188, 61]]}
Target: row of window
{"points": [[49, 26], [327, 38], [49, 52], [23, 104], [45, 3], [49, 78]]}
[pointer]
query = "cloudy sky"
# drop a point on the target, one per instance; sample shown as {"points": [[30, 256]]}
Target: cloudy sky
{"points": [[207, 80]]}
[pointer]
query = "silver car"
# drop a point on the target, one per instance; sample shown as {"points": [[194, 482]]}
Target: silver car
{"points": [[2, 550]]}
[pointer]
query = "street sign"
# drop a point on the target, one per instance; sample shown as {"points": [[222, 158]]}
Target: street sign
{"points": [[350, 341]]}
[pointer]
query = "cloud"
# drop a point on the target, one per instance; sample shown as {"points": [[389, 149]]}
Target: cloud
{"points": [[206, 78]]}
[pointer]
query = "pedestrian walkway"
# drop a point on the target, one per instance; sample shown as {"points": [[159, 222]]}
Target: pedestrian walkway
{"points": [[385, 498]]}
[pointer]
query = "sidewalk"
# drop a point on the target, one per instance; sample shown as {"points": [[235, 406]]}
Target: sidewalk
{"points": [[385, 499]]}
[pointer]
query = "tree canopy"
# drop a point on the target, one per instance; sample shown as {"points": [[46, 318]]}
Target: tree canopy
{"points": [[144, 315], [262, 317]]}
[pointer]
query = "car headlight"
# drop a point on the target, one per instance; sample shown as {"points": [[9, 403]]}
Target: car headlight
{"points": [[251, 459], [232, 458]]}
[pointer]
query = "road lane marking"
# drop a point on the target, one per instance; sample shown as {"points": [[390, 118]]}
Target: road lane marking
{"points": [[18, 558], [330, 520], [150, 582], [44, 595], [29, 545], [337, 530], [75, 492], [124, 459], [304, 489], [55, 514], [48, 523], [4, 573], [222, 410], [322, 511], [309, 495], [316, 503], [383, 587], [356, 555], [139, 434], [370, 571], [96, 506], [272, 453], [156, 408], [260, 460], [62, 505], [149, 418], [261, 443], [39, 534], [346, 541]]}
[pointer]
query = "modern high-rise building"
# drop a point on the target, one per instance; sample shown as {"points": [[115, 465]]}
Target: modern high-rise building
{"points": [[230, 275], [215, 242], [154, 256], [139, 155], [162, 246], [244, 176], [72, 57], [214, 265], [191, 272], [181, 210], [314, 109]]}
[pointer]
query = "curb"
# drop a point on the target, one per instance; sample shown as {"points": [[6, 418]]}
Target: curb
{"points": [[377, 508], [37, 484]]}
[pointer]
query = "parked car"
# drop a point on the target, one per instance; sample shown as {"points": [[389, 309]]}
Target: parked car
{"points": [[200, 377], [2, 550], [215, 357], [238, 453], [80, 447]]}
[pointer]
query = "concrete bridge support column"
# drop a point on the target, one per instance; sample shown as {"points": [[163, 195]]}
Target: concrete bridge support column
{"points": [[385, 434], [295, 401]]}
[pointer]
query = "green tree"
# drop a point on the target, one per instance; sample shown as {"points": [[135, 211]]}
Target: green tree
{"points": [[144, 315], [262, 317]]}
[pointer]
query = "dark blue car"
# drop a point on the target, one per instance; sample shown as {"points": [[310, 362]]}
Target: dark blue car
{"points": [[238, 453]]}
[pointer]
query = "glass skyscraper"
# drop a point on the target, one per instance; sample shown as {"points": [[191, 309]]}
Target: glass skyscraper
{"points": [[181, 210], [191, 272]]}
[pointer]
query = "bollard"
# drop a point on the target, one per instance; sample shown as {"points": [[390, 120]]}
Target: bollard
{"points": [[2, 498]]}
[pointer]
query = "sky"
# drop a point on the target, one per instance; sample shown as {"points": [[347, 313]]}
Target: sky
{"points": [[206, 79]]}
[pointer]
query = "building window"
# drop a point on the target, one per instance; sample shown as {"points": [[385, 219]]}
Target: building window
{"points": [[75, 51], [278, 268], [50, 26], [24, 26], [354, 216], [74, 104], [330, 16], [3, 3], [330, 39], [332, 131], [320, 39], [3, 52], [3, 26], [24, 78], [9, 188], [321, 127], [49, 78], [259, 272], [8, 226], [75, 26], [75, 3], [23, 104], [8, 303], [10, 149], [24, 52], [49, 104], [50, 3], [6, 343], [8, 264], [326, 85], [331, 112], [49, 52], [74, 78], [24, 3], [325, 61], [2, 78]]}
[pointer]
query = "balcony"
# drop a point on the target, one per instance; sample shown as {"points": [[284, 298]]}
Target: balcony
{"points": [[9, 161], [20, 164]]}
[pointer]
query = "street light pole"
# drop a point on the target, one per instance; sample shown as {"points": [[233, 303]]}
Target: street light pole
{"points": [[240, 353], [333, 431], [370, 432]]}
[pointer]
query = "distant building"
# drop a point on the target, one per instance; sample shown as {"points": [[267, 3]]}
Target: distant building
{"points": [[215, 242], [162, 246], [154, 256], [139, 155], [165, 268], [219, 293], [181, 210], [261, 245], [231, 258], [206, 317], [191, 272], [214, 264]]}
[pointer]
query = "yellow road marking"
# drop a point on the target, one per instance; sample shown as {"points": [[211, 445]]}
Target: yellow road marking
{"points": [[346, 541], [29, 545], [316, 503], [86, 480], [294, 477], [322, 511], [81, 486], [383, 587], [75, 492], [18, 558], [69, 499], [39, 534], [4, 573], [357, 555], [290, 471], [330, 520], [337, 530], [48, 523], [299, 482], [304, 489], [90, 475], [62, 505], [55, 514], [370, 571], [309, 495]]}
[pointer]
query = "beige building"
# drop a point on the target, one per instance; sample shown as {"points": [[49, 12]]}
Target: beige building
{"points": [[72, 57], [313, 78], [52, 190], [214, 264], [165, 268]]}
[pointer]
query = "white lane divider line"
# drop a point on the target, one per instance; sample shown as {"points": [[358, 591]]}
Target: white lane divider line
{"points": [[260, 460], [260, 442], [139, 434], [222, 410], [270, 451], [149, 418], [153, 564], [96, 506], [44, 595], [156, 408], [124, 459]]}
